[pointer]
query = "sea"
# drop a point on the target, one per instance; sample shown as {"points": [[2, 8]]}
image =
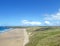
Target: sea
{"points": [[3, 29]]}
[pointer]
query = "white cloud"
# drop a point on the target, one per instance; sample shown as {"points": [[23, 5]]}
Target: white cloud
{"points": [[54, 18], [27, 22], [47, 22]]}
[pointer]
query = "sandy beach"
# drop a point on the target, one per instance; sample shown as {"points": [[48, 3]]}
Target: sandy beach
{"points": [[14, 37]]}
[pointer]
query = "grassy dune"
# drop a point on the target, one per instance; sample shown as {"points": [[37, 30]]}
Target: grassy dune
{"points": [[44, 36]]}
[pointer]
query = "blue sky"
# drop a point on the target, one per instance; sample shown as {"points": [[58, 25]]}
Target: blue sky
{"points": [[29, 12]]}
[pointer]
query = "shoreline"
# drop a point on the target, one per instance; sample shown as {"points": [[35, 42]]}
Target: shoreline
{"points": [[6, 30]]}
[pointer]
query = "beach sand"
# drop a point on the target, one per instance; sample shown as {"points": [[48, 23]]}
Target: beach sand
{"points": [[14, 37]]}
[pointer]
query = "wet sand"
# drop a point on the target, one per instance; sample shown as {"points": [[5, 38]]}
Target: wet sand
{"points": [[14, 37]]}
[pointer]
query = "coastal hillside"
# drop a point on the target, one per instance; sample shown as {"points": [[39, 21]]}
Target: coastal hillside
{"points": [[44, 36]]}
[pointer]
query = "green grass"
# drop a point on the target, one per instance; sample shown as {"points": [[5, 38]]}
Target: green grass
{"points": [[44, 36]]}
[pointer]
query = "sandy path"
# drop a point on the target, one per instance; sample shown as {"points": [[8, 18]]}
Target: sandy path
{"points": [[15, 37], [26, 37]]}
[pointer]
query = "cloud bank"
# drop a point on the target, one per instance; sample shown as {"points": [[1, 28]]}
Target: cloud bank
{"points": [[53, 18], [33, 23], [50, 20]]}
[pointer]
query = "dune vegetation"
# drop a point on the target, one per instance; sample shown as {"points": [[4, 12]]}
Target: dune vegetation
{"points": [[44, 36]]}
